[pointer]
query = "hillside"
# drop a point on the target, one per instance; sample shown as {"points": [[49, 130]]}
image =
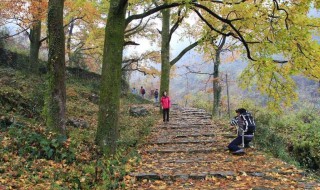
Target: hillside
{"points": [[30, 158]]}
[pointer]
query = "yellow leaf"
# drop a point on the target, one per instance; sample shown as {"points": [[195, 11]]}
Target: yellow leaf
{"points": [[163, 187]]}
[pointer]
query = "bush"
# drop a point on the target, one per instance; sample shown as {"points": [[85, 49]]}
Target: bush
{"points": [[296, 135], [306, 139], [36, 145]]}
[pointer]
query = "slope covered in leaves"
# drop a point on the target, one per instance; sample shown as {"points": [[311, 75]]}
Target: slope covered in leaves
{"points": [[32, 158], [190, 152]]}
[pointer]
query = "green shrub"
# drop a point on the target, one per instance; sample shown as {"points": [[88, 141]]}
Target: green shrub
{"points": [[269, 140], [306, 139], [295, 134], [34, 145]]}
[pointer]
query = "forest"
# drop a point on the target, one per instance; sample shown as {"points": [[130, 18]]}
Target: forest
{"points": [[70, 120]]}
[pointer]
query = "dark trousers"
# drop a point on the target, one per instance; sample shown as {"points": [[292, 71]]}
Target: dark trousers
{"points": [[234, 145], [165, 113]]}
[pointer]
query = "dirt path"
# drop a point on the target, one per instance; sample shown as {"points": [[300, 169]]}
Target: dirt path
{"points": [[190, 152]]}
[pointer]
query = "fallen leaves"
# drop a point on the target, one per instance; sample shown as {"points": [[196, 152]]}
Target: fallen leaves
{"points": [[179, 169]]}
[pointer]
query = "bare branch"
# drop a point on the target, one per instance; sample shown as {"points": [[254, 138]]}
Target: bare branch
{"points": [[16, 34], [138, 28], [184, 51], [132, 43], [197, 72], [72, 20]]}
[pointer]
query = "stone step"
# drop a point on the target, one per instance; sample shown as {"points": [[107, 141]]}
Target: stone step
{"points": [[195, 135], [182, 139], [185, 126], [184, 130], [164, 151], [197, 176], [183, 142]]}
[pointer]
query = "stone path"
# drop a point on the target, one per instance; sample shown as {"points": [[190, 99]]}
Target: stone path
{"points": [[189, 153]]}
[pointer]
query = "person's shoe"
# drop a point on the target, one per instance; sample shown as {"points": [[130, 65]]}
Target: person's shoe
{"points": [[238, 152], [247, 146]]}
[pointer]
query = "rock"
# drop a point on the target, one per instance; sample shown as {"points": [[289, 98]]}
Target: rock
{"points": [[141, 176], [181, 176], [77, 123], [222, 174], [257, 174], [138, 111]]}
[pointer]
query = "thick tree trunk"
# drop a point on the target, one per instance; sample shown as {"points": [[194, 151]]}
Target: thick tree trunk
{"points": [[107, 132], [35, 34], [56, 92], [69, 42], [216, 86], [165, 51]]}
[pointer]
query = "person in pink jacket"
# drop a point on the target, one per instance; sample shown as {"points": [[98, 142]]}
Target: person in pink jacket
{"points": [[165, 105]]}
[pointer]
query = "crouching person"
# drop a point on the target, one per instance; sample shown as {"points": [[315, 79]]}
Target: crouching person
{"points": [[246, 128]]}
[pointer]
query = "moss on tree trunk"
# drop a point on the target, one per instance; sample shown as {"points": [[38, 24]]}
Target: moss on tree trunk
{"points": [[35, 34], [165, 51], [216, 81], [55, 105], [216, 86], [107, 132]]}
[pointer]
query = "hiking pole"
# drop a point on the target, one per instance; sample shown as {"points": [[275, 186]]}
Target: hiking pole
{"points": [[242, 138]]}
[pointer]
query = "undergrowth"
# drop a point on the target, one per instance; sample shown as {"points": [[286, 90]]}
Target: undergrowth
{"points": [[33, 158]]}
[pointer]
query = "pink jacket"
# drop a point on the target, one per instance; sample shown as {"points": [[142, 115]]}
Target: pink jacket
{"points": [[165, 102]]}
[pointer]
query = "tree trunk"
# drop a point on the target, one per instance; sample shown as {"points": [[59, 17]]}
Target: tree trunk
{"points": [[216, 81], [35, 34], [56, 92], [165, 51], [69, 43], [216, 86], [107, 132]]}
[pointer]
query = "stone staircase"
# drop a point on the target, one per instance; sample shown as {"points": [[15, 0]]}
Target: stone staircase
{"points": [[189, 152]]}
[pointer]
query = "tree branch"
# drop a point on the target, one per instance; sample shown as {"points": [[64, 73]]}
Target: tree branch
{"points": [[176, 25], [227, 3], [239, 35], [16, 34], [137, 29], [72, 20], [152, 11], [209, 25], [281, 9], [197, 72], [132, 43], [184, 51]]}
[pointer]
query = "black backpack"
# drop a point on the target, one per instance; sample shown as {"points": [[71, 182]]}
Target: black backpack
{"points": [[250, 125]]}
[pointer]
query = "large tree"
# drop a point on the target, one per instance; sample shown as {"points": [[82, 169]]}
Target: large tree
{"points": [[55, 101], [166, 36], [254, 24], [107, 132]]}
